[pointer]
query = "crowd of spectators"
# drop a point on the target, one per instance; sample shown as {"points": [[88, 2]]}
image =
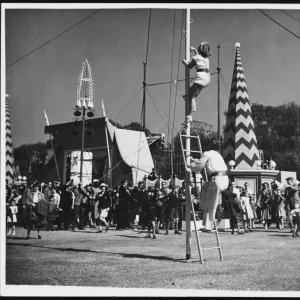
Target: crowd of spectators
{"points": [[53, 206]]}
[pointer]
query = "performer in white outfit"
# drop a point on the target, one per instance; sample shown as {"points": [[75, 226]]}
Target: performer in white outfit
{"points": [[201, 63], [211, 190]]}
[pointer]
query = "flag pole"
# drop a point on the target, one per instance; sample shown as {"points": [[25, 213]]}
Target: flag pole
{"points": [[109, 181], [56, 165]]}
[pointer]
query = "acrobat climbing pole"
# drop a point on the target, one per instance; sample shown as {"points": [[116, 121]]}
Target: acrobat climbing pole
{"points": [[187, 153]]}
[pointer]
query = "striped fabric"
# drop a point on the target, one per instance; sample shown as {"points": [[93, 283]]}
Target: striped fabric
{"points": [[240, 143], [9, 147]]}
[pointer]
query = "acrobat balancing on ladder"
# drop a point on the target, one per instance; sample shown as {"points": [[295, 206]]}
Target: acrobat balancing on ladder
{"points": [[211, 160]]}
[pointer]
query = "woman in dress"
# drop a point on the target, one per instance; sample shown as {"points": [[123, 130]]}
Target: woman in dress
{"points": [[248, 216]]}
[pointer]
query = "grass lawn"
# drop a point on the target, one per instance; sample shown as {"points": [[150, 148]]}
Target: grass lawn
{"points": [[264, 260]]}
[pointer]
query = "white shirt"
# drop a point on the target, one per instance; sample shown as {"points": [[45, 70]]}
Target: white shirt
{"points": [[35, 198], [202, 78], [212, 160], [56, 199]]}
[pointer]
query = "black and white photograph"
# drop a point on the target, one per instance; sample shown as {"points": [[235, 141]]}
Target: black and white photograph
{"points": [[150, 150]]}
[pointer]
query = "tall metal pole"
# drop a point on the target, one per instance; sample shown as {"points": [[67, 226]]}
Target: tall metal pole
{"points": [[188, 115], [50, 137], [144, 98], [82, 139], [219, 106], [108, 155]]}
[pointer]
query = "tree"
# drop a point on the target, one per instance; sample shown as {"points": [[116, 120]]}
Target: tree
{"points": [[30, 156], [277, 130]]}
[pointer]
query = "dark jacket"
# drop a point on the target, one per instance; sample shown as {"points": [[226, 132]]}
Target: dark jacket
{"points": [[234, 208], [172, 200]]}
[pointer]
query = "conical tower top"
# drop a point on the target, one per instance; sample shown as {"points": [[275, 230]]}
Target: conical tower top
{"points": [[240, 143]]}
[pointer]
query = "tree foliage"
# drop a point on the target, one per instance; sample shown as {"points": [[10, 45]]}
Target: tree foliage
{"points": [[277, 130]]}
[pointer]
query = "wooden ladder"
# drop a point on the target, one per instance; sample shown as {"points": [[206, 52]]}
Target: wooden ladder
{"points": [[193, 212]]}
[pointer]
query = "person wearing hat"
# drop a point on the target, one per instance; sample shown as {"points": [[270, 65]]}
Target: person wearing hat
{"points": [[201, 63], [264, 201], [290, 191], [102, 206], [36, 210], [123, 209], [279, 203]]}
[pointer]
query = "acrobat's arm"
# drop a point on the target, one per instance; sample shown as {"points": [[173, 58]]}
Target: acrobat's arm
{"points": [[190, 65], [197, 165]]}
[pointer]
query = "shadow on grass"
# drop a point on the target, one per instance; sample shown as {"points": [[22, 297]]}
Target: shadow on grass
{"points": [[283, 235], [131, 236], [126, 255]]}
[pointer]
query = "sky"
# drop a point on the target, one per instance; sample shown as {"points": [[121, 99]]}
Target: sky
{"points": [[115, 43]]}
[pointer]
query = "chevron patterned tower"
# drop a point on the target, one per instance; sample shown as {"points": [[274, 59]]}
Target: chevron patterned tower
{"points": [[240, 143], [10, 166]]}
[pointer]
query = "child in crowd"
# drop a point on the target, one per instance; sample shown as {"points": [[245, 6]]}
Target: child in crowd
{"points": [[234, 209], [201, 63], [278, 195], [12, 211], [247, 212], [295, 214]]}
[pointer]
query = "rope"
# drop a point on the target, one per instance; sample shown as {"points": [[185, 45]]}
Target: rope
{"points": [[178, 71], [290, 15], [297, 36], [171, 74], [57, 36], [129, 102]]}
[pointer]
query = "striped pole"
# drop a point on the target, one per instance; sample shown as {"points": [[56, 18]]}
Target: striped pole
{"points": [[10, 164]]}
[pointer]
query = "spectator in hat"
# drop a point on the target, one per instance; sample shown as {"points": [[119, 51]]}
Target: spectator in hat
{"points": [[290, 191], [296, 197], [172, 205], [48, 190], [153, 175], [52, 212], [36, 210], [77, 220], [67, 206], [140, 195], [279, 202], [295, 214], [123, 208], [150, 212]]}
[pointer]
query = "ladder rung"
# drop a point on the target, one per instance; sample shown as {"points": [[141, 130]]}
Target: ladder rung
{"points": [[197, 151], [210, 248], [191, 136]]}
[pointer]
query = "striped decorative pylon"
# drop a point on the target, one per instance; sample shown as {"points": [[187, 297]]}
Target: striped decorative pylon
{"points": [[10, 165], [240, 143]]}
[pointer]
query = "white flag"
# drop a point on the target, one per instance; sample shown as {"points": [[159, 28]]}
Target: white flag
{"points": [[103, 109], [47, 121]]}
